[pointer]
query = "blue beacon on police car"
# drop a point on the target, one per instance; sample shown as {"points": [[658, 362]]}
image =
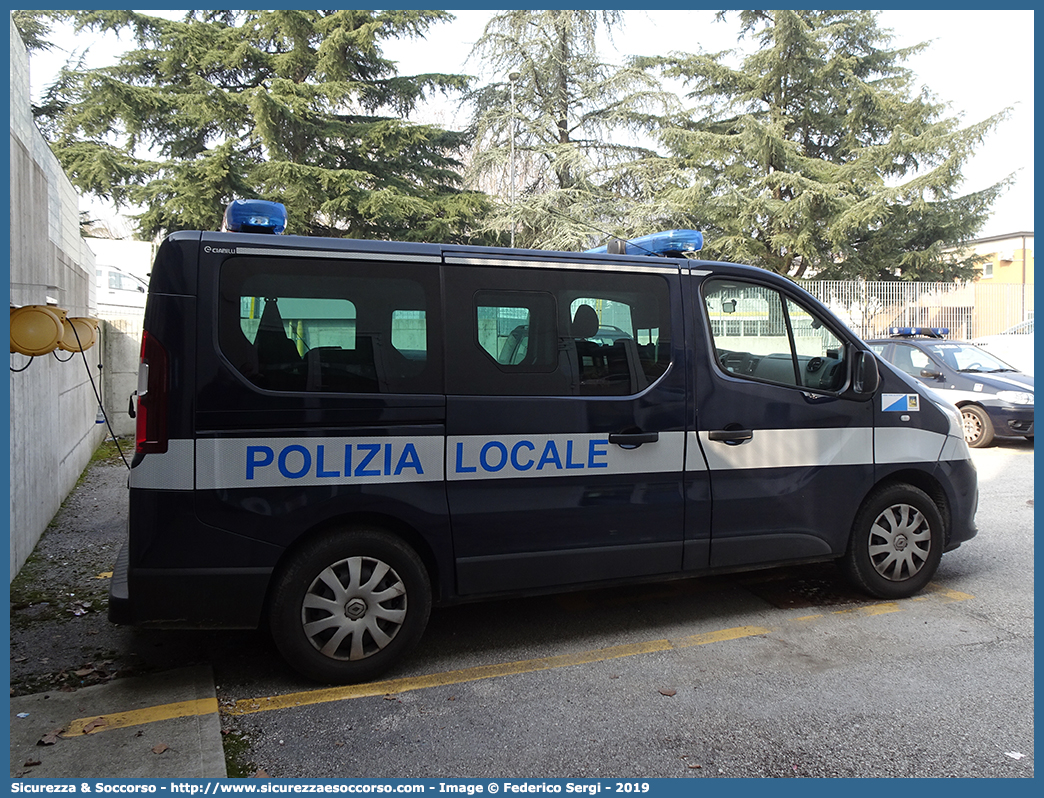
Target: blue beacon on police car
{"points": [[254, 216]]}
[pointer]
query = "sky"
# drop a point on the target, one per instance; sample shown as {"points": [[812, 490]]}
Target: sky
{"points": [[979, 62]]}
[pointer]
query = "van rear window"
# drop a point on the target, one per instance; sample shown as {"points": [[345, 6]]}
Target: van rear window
{"points": [[309, 325]]}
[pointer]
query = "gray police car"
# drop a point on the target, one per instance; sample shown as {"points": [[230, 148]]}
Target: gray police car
{"points": [[995, 399]]}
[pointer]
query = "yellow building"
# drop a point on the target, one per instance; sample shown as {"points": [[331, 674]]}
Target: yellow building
{"points": [[1010, 257], [1004, 289]]}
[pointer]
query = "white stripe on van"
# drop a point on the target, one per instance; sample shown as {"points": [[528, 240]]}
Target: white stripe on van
{"points": [[792, 448], [171, 470], [903, 445], [225, 463], [805, 448]]}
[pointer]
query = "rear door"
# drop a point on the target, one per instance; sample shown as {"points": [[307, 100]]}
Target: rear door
{"points": [[320, 390], [565, 421]]}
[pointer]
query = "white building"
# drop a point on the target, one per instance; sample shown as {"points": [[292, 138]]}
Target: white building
{"points": [[122, 270]]}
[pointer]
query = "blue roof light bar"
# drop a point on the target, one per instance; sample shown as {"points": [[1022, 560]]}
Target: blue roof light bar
{"points": [[668, 243], [254, 216], [930, 332]]}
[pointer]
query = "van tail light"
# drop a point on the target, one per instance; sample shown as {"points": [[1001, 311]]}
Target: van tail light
{"points": [[153, 388]]}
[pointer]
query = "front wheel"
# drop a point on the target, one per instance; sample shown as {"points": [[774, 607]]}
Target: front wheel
{"points": [[978, 429], [348, 605], [896, 542]]}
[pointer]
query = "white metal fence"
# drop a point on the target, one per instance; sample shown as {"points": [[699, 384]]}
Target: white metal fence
{"points": [[967, 309]]}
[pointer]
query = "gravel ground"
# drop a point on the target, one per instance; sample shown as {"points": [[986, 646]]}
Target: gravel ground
{"points": [[61, 638], [60, 635]]}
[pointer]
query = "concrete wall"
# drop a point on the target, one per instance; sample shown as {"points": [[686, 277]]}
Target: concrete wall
{"points": [[121, 349], [53, 406], [122, 313]]}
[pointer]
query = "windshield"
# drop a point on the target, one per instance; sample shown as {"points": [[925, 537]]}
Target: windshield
{"points": [[965, 357]]}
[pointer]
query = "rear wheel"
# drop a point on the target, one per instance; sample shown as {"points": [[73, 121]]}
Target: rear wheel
{"points": [[896, 542], [349, 605], [978, 429]]}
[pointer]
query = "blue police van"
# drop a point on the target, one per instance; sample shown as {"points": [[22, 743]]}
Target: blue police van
{"points": [[334, 435]]}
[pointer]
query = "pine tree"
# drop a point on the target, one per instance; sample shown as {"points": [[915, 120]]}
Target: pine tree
{"points": [[816, 156], [568, 136], [295, 106], [34, 30]]}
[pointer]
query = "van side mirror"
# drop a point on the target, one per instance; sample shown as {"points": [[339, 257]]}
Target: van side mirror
{"points": [[865, 376], [929, 374]]}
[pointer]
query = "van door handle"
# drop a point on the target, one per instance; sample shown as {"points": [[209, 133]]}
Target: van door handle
{"points": [[632, 440], [733, 436]]}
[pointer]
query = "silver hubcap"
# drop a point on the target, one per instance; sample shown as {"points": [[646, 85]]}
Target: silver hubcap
{"points": [[972, 427], [354, 608], [900, 540]]}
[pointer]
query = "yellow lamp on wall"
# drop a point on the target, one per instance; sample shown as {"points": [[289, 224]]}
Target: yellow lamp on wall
{"points": [[36, 329], [80, 333]]}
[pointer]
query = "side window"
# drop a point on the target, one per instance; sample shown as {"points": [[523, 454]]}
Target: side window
{"points": [[409, 334], [310, 325], [910, 359], [504, 333], [517, 329], [310, 322], [760, 333], [556, 332], [615, 352]]}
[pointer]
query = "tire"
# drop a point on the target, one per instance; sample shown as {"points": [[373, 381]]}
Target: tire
{"points": [[978, 429], [349, 605], [896, 542]]}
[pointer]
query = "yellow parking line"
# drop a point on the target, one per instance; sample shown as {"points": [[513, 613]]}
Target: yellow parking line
{"points": [[247, 706], [873, 609], [138, 717], [945, 592], [721, 636], [250, 705], [408, 684]]}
